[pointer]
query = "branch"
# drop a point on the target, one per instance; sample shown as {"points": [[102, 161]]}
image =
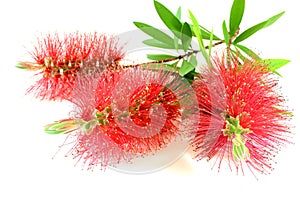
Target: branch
{"points": [[171, 59]]}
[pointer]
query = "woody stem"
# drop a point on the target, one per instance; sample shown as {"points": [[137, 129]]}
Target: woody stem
{"points": [[172, 59]]}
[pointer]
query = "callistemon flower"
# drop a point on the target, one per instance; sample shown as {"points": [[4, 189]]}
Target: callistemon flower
{"points": [[242, 116], [57, 60], [126, 113]]}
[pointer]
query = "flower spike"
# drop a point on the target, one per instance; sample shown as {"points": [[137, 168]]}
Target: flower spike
{"points": [[242, 115]]}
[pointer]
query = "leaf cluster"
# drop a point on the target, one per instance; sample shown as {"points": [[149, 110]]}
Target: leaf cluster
{"points": [[180, 36]]}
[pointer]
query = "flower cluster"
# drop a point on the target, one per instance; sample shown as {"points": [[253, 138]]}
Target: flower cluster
{"points": [[57, 59], [126, 113], [229, 110], [242, 115]]}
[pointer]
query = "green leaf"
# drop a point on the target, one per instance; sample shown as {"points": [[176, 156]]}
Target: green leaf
{"points": [[176, 39], [248, 51], [185, 68], [178, 13], [166, 67], [155, 33], [191, 76], [225, 32], [236, 15], [210, 42], [238, 54], [257, 27], [156, 43], [275, 64], [205, 33], [159, 56], [186, 36], [193, 60], [172, 67], [169, 19], [197, 31]]}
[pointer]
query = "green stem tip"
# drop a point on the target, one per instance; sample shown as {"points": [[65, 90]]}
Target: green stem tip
{"points": [[235, 133], [61, 127]]}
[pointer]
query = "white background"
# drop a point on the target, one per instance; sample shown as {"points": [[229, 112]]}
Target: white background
{"points": [[27, 170]]}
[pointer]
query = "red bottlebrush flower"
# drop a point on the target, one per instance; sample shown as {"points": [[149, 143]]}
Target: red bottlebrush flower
{"points": [[242, 116], [141, 117], [58, 60], [127, 113]]}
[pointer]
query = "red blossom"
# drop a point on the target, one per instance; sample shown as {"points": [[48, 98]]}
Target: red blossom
{"points": [[58, 60], [130, 112], [242, 116], [129, 125]]}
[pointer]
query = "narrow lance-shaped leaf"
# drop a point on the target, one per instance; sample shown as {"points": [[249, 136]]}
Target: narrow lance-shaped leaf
{"points": [[166, 67], [169, 19], [185, 68], [205, 33], [156, 43], [257, 27], [197, 30], [225, 33], [236, 15], [178, 15], [248, 51], [155, 33], [210, 42], [193, 60], [275, 64], [171, 67], [159, 56], [237, 54], [186, 36], [198, 34]]}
